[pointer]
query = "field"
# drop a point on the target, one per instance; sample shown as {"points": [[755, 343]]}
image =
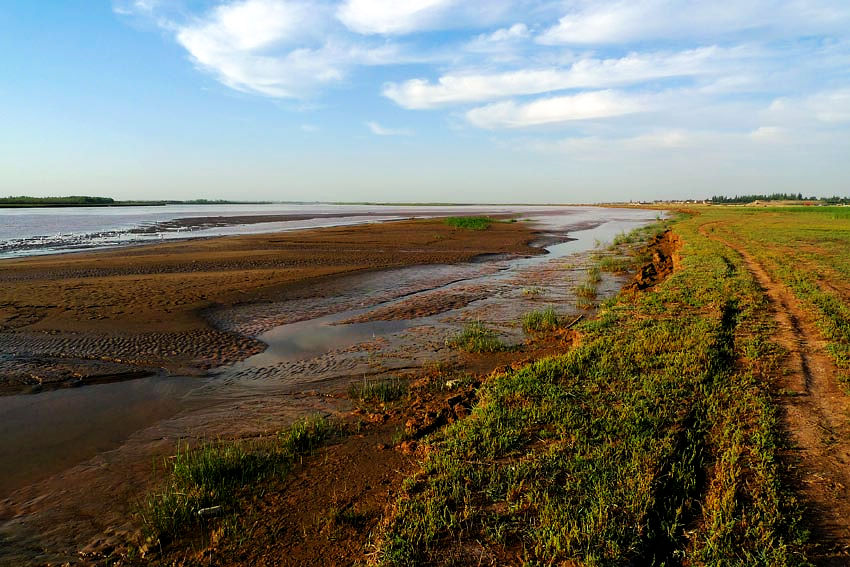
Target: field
{"points": [[698, 423]]}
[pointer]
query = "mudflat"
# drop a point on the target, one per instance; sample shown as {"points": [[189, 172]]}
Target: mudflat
{"points": [[107, 315]]}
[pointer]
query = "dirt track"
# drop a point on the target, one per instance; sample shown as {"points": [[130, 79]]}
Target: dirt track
{"points": [[815, 416]]}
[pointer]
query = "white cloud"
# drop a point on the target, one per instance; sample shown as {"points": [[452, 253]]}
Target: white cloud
{"points": [[823, 109], [769, 134], [379, 130], [248, 25], [831, 107], [392, 16], [133, 7], [501, 46], [622, 21], [583, 106], [277, 48], [234, 41], [513, 33], [584, 73]]}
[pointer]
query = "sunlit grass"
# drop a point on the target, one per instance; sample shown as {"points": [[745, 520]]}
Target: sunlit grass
{"points": [[476, 338], [470, 223], [206, 481], [541, 320], [378, 390], [654, 442]]}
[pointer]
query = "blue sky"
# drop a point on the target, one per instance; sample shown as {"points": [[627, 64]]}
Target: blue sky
{"points": [[424, 100]]}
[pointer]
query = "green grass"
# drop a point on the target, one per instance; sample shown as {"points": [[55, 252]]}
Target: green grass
{"points": [[586, 290], [655, 442], [806, 249], [470, 223], [615, 264], [382, 390], [476, 338], [213, 476], [541, 320]]}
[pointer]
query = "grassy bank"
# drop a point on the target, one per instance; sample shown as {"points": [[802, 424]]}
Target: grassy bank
{"points": [[655, 442], [808, 250]]}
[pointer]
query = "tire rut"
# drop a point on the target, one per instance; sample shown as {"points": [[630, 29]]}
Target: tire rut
{"points": [[816, 416]]}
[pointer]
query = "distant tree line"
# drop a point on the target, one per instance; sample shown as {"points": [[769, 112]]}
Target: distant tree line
{"points": [[721, 199], [86, 201], [72, 200]]}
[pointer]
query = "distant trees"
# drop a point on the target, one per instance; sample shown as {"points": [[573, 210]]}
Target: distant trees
{"points": [[72, 200], [721, 199], [740, 199]]}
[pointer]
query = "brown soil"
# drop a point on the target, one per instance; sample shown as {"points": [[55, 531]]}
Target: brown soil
{"points": [[815, 416], [664, 258], [141, 307]]}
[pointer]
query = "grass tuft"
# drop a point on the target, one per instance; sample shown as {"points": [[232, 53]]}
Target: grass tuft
{"points": [[541, 320], [383, 390], [476, 338], [470, 223], [206, 481]]}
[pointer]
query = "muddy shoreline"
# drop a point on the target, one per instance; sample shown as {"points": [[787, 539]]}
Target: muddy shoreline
{"points": [[70, 320], [317, 337]]}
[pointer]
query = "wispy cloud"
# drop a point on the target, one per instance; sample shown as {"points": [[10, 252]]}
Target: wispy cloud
{"points": [[379, 130], [619, 21], [554, 110], [584, 73], [392, 16]]}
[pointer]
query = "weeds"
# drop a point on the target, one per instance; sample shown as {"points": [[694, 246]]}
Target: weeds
{"points": [[476, 338], [383, 390], [586, 291], [615, 264], [532, 291], [205, 481], [541, 320], [470, 223]]}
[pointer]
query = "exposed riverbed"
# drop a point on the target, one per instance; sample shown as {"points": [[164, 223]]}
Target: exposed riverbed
{"points": [[73, 460]]}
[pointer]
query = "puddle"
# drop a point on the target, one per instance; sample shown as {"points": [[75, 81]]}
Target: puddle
{"points": [[308, 339]]}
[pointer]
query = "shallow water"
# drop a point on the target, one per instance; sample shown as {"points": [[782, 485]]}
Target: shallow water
{"points": [[306, 339], [41, 434], [34, 231]]}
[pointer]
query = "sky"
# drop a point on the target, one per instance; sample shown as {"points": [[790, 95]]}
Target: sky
{"points": [[493, 101]]}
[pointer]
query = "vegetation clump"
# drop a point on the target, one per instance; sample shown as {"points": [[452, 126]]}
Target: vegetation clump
{"points": [[470, 223], [383, 390], [476, 338], [205, 481], [541, 320], [615, 264]]}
